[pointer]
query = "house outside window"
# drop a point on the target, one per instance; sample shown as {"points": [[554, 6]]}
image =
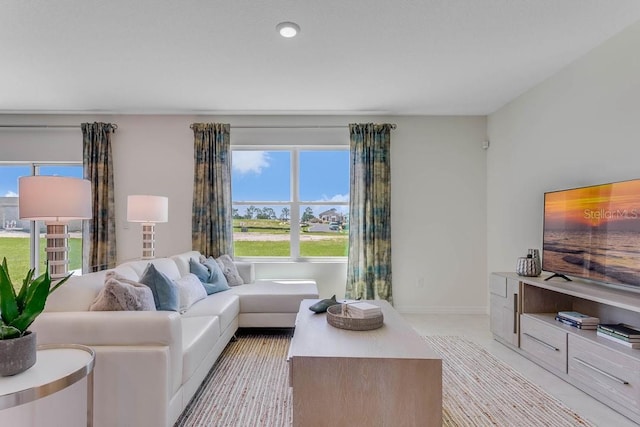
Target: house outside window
{"points": [[291, 202]]}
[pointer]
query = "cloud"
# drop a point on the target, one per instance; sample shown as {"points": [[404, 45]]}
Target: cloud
{"points": [[250, 161], [335, 198], [10, 194]]}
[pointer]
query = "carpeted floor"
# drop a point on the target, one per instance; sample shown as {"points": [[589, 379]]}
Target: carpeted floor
{"points": [[248, 386]]}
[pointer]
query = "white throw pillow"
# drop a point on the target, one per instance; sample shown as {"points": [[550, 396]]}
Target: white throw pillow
{"points": [[191, 291]]}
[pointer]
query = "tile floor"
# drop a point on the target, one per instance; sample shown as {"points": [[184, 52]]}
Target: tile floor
{"points": [[476, 329]]}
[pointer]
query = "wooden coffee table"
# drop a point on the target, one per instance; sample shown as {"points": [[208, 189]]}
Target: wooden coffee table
{"points": [[383, 377]]}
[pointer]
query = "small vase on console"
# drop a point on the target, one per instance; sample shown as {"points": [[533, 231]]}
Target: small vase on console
{"points": [[530, 265]]}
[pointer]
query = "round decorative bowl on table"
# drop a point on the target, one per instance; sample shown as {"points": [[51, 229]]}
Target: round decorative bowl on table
{"points": [[337, 319]]}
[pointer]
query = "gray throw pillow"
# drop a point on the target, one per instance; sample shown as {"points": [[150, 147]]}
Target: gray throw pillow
{"points": [[165, 293], [121, 294], [230, 270]]}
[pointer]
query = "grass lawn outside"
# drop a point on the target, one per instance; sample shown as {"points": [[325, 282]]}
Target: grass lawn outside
{"points": [[16, 250]]}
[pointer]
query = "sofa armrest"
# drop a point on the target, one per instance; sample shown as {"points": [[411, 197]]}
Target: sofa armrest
{"points": [[109, 328], [246, 270], [123, 330]]}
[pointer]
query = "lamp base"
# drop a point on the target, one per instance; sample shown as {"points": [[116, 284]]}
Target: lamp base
{"points": [[57, 249], [148, 241]]}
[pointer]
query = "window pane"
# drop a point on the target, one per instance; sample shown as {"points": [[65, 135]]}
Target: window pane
{"points": [[261, 175], [324, 176], [74, 227], [14, 233], [325, 231], [260, 230]]}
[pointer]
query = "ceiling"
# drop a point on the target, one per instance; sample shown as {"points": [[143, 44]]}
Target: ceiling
{"points": [[440, 57]]}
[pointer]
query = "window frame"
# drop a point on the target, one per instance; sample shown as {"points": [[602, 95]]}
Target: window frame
{"points": [[294, 204], [34, 232]]}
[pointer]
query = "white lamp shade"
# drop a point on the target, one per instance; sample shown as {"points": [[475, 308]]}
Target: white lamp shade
{"points": [[54, 198], [150, 209]]}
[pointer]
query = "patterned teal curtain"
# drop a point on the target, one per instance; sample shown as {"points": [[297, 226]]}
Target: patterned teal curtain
{"points": [[212, 222], [99, 237], [369, 264]]}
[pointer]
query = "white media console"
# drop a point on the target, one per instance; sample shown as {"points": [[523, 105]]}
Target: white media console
{"points": [[523, 313]]}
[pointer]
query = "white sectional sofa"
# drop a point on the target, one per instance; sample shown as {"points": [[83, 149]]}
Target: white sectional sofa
{"points": [[149, 364]]}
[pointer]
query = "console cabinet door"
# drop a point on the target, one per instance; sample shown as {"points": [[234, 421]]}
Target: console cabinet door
{"points": [[504, 308]]}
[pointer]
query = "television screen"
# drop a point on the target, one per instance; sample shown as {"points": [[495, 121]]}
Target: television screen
{"points": [[594, 233]]}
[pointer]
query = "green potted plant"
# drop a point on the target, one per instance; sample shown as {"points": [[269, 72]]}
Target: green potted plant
{"points": [[17, 313]]}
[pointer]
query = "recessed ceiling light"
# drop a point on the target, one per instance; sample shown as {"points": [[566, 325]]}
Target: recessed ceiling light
{"points": [[288, 29]]}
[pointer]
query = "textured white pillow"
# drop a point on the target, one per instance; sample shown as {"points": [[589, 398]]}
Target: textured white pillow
{"points": [[230, 270], [122, 294], [191, 291]]}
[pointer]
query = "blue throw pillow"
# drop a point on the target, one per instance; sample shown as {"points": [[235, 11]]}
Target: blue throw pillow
{"points": [[200, 270], [217, 282], [165, 293]]}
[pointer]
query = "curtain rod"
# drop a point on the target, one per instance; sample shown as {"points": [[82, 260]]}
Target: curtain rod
{"points": [[393, 126], [47, 126]]}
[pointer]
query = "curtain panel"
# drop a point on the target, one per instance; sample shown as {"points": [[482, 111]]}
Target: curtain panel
{"points": [[99, 233], [369, 262], [212, 222]]}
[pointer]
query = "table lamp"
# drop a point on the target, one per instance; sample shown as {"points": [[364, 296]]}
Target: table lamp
{"points": [[55, 200], [148, 210]]}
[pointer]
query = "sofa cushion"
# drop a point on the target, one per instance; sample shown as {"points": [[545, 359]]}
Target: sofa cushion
{"points": [[166, 266], [182, 261], [122, 294], [275, 296], [191, 291], [77, 294], [165, 291], [199, 336], [230, 271], [224, 305]]}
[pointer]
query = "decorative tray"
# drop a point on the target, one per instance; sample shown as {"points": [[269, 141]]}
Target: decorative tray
{"points": [[336, 318]]}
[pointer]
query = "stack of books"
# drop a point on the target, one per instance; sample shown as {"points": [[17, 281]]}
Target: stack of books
{"points": [[620, 333], [577, 320], [363, 310]]}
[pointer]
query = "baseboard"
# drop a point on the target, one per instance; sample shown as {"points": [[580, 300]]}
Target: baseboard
{"points": [[414, 309]]}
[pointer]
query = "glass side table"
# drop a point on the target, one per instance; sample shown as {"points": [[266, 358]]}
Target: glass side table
{"points": [[57, 367]]}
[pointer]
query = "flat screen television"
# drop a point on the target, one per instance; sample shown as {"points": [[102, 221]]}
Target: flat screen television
{"points": [[593, 233]]}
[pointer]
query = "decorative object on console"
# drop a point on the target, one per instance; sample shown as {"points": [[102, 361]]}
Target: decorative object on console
{"points": [[148, 210], [55, 200], [17, 313], [530, 265], [338, 316], [322, 305]]}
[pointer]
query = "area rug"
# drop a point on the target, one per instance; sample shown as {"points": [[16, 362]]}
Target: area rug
{"points": [[248, 386], [480, 390]]}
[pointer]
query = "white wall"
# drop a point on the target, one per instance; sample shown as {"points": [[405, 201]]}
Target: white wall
{"points": [[438, 193], [579, 127]]}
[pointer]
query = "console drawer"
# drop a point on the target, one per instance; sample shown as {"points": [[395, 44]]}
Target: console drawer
{"points": [[613, 375], [544, 342], [498, 285]]}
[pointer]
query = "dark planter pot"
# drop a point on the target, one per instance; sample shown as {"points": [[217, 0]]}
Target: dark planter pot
{"points": [[17, 354]]}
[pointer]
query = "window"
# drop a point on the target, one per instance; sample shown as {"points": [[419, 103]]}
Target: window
{"points": [[290, 202], [23, 253]]}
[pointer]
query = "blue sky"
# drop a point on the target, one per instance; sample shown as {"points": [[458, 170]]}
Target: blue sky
{"points": [[265, 175], [256, 176], [9, 175]]}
